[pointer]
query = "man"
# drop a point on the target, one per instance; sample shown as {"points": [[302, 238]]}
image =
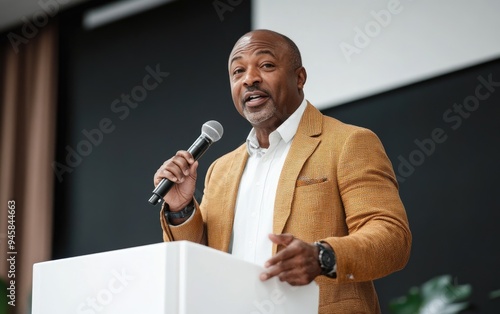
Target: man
{"points": [[307, 196]]}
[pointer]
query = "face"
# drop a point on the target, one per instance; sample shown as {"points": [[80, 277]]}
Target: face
{"points": [[265, 87]]}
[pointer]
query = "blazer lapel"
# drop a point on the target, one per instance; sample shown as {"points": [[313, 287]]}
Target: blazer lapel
{"points": [[232, 182], [303, 145]]}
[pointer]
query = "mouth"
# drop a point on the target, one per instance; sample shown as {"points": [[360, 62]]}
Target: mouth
{"points": [[255, 98]]}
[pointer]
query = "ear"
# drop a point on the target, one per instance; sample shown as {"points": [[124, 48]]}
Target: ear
{"points": [[301, 77]]}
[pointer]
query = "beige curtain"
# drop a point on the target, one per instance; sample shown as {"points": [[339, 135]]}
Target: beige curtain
{"points": [[27, 142]]}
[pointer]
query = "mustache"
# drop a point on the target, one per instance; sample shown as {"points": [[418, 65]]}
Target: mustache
{"points": [[254, 88]]}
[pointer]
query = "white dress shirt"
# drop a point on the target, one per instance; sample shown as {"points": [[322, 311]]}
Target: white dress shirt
{"points": [[253, 220]]}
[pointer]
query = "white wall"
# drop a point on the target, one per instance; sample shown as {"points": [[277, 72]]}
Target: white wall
{"points": [[409, 41]]}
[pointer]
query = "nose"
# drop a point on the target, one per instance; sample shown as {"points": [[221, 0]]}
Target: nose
{"points": [[252, 77]]}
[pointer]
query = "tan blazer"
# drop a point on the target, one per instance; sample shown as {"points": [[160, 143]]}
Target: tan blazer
{"points": [[337, 185]]}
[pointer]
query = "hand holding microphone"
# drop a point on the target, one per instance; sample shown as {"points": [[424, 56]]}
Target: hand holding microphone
{"points": [[179, 172]]}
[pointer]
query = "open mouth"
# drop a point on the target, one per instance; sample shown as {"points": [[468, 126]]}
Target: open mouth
{"points": [[257, 98]]}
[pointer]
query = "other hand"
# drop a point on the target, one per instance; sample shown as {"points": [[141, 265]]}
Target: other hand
{"points": [[296, 264]]}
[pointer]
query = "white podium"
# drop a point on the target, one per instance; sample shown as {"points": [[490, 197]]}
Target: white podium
{"points": [[178, 278]]}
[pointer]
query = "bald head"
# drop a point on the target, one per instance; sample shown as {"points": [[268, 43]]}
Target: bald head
{"points": [[288, 44]]}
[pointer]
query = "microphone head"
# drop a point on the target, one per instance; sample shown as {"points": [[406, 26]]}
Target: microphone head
{"points": [[213, 130]]}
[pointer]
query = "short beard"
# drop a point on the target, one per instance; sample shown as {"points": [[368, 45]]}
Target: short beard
{"points": [[256, 118]]}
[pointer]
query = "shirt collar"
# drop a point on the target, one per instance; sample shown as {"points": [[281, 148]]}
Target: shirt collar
{"points": [[286, 131]]}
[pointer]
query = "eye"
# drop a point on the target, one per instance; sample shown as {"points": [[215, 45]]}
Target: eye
{"points": [[268, 65], [237, 71]]}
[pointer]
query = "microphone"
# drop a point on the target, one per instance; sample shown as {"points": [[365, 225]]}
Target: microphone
{"points": [[211, 131]]}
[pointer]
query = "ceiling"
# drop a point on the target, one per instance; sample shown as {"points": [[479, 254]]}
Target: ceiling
{"points": [[14, 13]]}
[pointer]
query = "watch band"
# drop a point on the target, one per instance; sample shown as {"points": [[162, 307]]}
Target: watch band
{"points": [[327, 270], [183, 213]]}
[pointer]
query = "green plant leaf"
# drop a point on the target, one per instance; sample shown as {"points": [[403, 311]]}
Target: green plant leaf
{"points": [[409, 304], [436, 296]]}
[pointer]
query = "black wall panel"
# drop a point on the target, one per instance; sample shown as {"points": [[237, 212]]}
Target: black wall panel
{"points": [[150, 81]]}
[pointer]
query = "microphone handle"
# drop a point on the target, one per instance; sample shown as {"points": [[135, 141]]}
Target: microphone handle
{"points": [[198, 148]]}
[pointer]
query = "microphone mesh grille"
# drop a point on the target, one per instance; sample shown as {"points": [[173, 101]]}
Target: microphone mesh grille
{"points": [[213, 130]]}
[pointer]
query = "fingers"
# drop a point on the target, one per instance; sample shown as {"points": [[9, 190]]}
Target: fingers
{"points": [[281, 239], [177, 168], [284, 240], [296, 264], [180, 169]]}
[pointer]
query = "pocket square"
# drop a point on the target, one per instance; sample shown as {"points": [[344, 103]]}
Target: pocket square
{"points": [[303, 181]]}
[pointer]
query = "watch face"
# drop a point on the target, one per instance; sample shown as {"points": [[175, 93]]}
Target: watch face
{"points": [[327, 260]]}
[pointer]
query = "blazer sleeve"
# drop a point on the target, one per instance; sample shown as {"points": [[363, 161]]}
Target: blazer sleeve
{"points": [[379, 239], [191, 230]]}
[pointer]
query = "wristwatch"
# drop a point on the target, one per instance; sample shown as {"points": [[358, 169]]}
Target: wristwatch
{"points": [[327, 260], [185, 212]]}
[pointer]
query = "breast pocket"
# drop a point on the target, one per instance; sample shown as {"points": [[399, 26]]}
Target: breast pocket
{"points": [[305, 181], [312, 214], [313, 194]]}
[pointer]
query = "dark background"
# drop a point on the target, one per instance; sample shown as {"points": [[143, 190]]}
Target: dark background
{"points": [[451, 198]]}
